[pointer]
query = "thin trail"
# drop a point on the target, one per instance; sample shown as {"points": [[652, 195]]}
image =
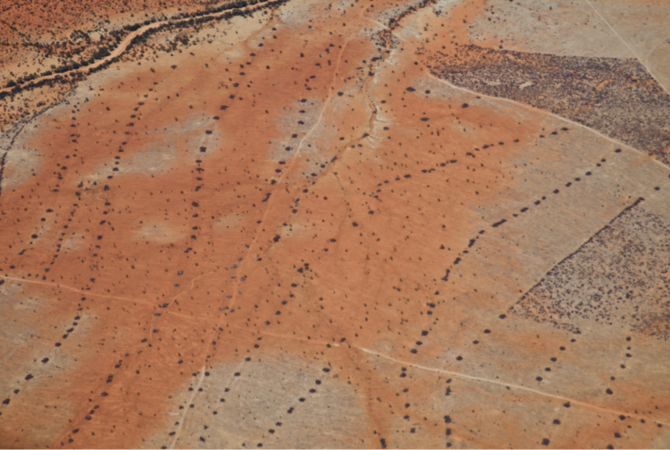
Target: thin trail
{"points": [[134, 301], [323, 110], [258, 232], [190, 401], [364, 91], [290, 164], [512, 386], [543, 111], [666, 39], [80, 291], [192, 285], [195, 393], [629, 47], [376, 22], [153, 318]]}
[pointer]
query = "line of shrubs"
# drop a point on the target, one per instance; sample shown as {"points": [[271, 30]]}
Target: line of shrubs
{"points": [[58, 79], [100, 53], [24, 83], [196, 18]]}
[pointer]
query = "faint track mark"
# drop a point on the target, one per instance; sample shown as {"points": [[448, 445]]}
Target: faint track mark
{"points": [[288, 168], [629, 47], [543, 111], [73, 289], [513, 386]]}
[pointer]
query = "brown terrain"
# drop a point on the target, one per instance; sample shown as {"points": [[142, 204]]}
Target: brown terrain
{"points": [[417, 224], [36, 35]]}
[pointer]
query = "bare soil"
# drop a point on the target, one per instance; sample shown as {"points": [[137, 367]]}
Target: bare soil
{"points": [[292, 231]]}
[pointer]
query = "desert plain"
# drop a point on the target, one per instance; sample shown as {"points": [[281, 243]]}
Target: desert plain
{"points": [[353, 224]]}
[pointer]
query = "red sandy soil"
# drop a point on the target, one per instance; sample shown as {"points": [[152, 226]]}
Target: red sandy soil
{"points": [[25, 21], [357, 251]]}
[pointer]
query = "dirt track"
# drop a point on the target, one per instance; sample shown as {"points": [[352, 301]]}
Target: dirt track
{"points": [[344, 225]]}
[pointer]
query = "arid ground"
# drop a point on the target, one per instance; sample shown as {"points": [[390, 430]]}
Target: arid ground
{"points": [[355, 224]]}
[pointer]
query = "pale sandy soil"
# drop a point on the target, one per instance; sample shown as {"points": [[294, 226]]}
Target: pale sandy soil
{"points": [[320, 233]]}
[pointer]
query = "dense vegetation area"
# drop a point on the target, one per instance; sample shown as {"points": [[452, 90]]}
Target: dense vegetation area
{"points": [[182, 20]]}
